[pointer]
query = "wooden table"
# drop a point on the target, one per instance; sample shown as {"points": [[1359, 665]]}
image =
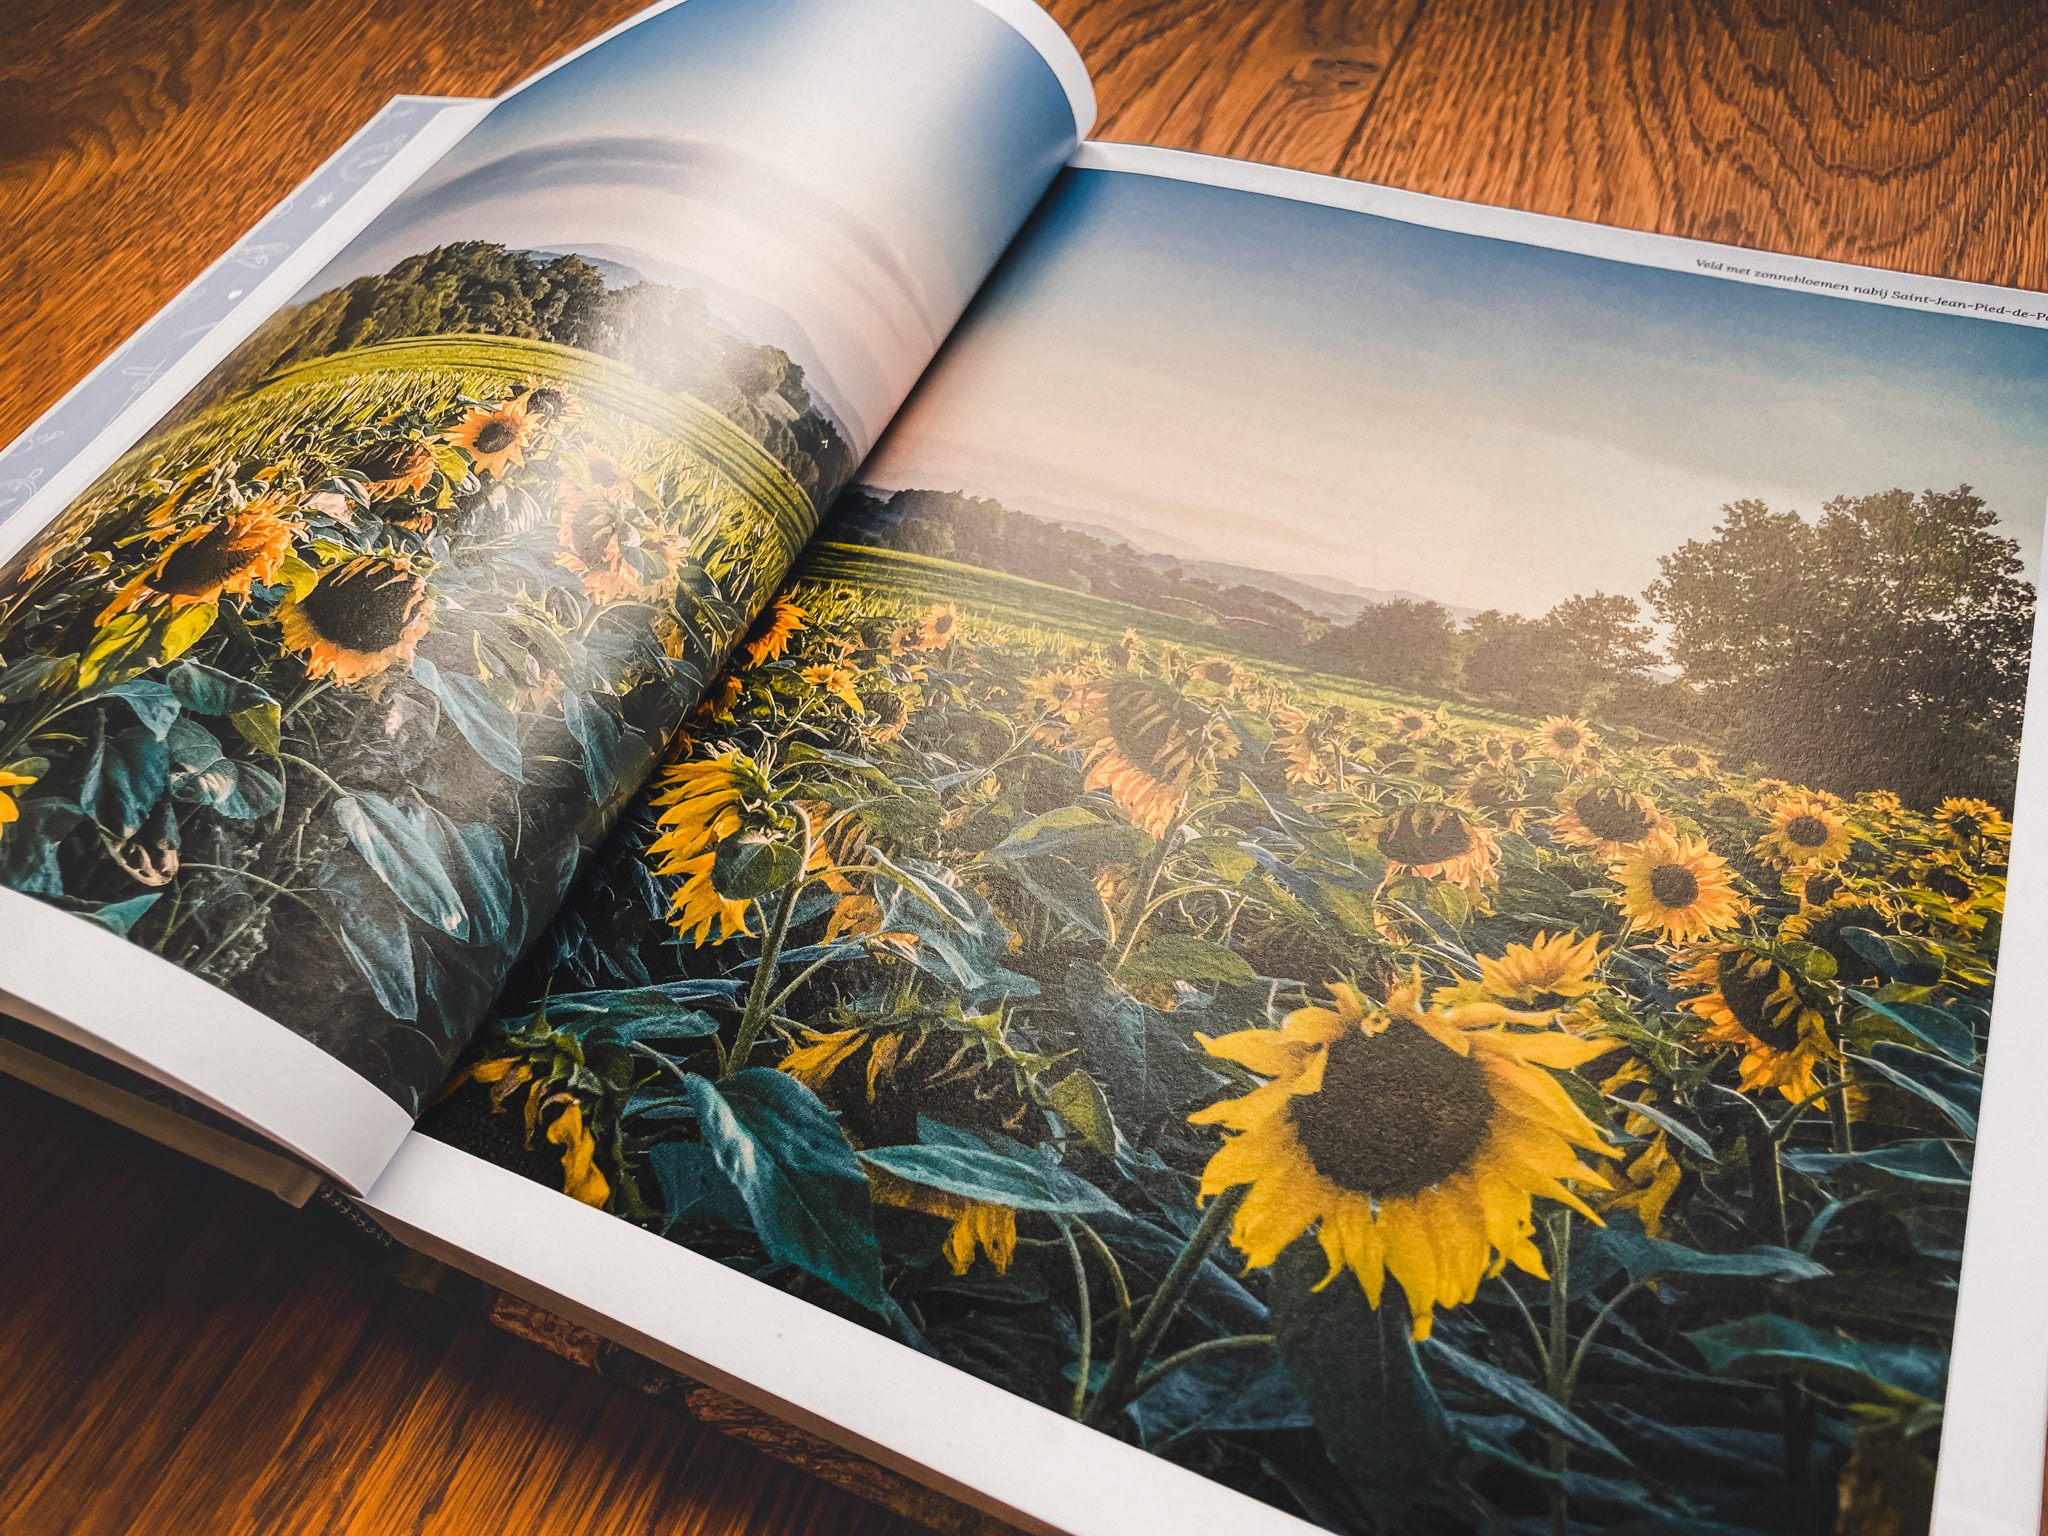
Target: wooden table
{"points": [[180, 1355]]}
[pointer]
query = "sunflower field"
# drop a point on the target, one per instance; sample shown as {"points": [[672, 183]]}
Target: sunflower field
{"points": [[1415, 1120], [322, 694]]}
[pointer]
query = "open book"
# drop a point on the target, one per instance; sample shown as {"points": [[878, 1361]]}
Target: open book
{"points": [[1182, 846]]}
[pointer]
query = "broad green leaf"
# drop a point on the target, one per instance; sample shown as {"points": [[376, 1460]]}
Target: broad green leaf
{"points": [[482, 718], [210, 691], [1917, 962], [1955, 1091], [123, 779], [1678, 1130], [797, 1175], [752, 865], [155, 705], [395, 846], [1643, 1257], [1942, 1030], [1183, 957], [121, 916], [1078, 1100], [1767, 1346], [961, 1165], [1928, 1161], [1520, 1395], [1376, 1413]]}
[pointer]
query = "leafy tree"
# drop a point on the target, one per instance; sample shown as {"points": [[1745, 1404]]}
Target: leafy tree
{"points": [[1403, 643], [1516, 662], [1601, 644], [1884, 644]]}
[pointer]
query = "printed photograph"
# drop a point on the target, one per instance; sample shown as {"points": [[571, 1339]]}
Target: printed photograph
{"points": [[1368, 859], [322, 691]]}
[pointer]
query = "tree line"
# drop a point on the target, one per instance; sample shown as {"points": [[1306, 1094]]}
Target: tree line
{"points": [[1882, 644]]}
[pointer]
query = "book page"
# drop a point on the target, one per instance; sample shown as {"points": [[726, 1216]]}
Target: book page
{"points": [[1371, 867], [313, 701]]}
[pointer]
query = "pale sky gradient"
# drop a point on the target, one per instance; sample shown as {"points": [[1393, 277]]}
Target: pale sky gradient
{"points": [[1322, 392], [838, 178]]}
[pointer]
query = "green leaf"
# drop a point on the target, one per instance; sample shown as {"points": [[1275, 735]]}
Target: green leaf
{"points": [[632, 1014], [1679, 1131], [1077, 1098], [210, 691], [397, 849], [1765, 1347], [297, 576], [188, 628], [1643, 1257], [961, 1164], [1183, 957], [119, 650], [796, 1173], [1927, 1161], [483, 720], [1917, 962], [155, 705], [1932, 1026], [261, 725], [753, 864], [121, 916], [1519, 1395], [1955, 1091], [123, 778], [1375, 1411]]}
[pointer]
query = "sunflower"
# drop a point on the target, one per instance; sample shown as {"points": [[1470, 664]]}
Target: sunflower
{"points": [[1686, 762], [1758, 1007], [837, 679], [1415, 1141], [1565, 738], [880, 1082], [550, 405], [359, 619], [1141, 741], [1536, 981], [774, 632], [1805, 829], [1412, 724], [1677, 885], [1826, 927], [1056, 696], [501, 1078], [937, 629], [1217, 671], [1307, 743], [1606, 818], [581, 1179], [494, 436], [1724, 805], [599, 540], [1498, 792], [213, 560], [1965, 822], [1435, 841], [704, 803], [396, 466], [10, 810]]}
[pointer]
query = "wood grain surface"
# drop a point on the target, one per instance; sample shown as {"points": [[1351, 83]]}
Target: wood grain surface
{"points": [[179, 1355]]}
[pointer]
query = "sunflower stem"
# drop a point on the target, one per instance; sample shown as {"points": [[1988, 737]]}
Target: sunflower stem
{"points": [[755, 1018], [1117, 1387], [1084, 1322], [1838, 1112], [1557, 1367], [1194, 1352]]}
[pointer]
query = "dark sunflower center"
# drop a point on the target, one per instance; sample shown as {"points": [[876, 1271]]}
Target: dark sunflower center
{"points": [[496, 435], [1425, 834], [1673, 885], [1684, 757], [546, 403], [207, 563], [1821, 888], [1829, 934], [1147, 729], [1727, 805], [1965, 824], [1614, 815], [1807, 831], [1747, 984], [1398, 1112], [1566, 737], [1944, 881], [362, 609]]}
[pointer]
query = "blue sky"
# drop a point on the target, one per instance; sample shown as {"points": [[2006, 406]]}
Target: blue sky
{"points": [[838, 177], [1317, 391]]}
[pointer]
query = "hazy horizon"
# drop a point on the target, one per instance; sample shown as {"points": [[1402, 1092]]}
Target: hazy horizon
{"points": [[1325, 394]]}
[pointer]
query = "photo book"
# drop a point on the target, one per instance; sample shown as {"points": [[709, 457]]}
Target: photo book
{"points": [[1174, 846]]}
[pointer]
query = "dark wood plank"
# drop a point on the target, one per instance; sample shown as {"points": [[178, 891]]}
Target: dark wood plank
{"points": [[179, 1354]]}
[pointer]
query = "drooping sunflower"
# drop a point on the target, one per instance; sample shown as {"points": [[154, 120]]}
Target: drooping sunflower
{"points": [[1605, 818], [599, 542], [1805, 829], [494, 436], [1677, 885], [1762, 1009], [1565, 738], [1438, 842], [361, 618], [1967, 822], [1415, 1141], [881, 1081], [702, 804], [1308, 741], [774, 632], [1650, 1177], [837, 679], [1141, 741], [1217, 671], [1826, 927], [1725, 805], [10, 809], [1500, 794], [395, 466], [1536, 981], [1686, 762], [213, 560]]}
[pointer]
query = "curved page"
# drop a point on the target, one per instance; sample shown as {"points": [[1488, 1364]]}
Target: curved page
{"points": [[1384, 840], [313, 700]]}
